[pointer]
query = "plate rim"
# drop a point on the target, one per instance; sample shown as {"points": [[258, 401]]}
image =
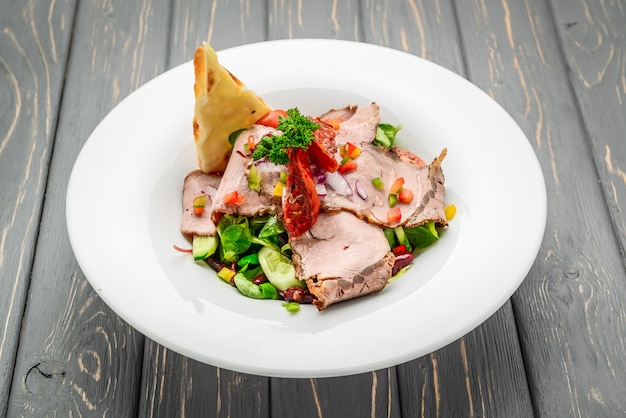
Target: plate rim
{"points": [[75, 240]]}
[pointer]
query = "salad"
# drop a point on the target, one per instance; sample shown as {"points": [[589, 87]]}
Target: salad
{"points": [[314, 210]]}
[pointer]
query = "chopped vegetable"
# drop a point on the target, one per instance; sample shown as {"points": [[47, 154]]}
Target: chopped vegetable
{"points": [[348, 166], [392, 199], [403, 240], [254, 179], [394, 215], [396, 186], [272, 119], [405, 195], [360, 190], [226, 274], [251, 144], [386, 134], [198, 205], [291, 306], [203, 247], [233, 198], [278, 189], [450, 211], [278, 269], [352, 150], [378, 183]]}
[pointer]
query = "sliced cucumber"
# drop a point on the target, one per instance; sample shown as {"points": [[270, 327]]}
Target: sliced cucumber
{"points": [[203, 247], [278, 269]]}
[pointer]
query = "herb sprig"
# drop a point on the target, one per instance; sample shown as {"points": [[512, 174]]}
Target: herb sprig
{"points": [[297, 132]]}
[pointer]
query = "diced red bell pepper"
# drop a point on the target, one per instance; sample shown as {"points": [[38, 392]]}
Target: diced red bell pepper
{"points": [[394, 215], [405, 195], [251, 144], [233, 198], [349, 165], [352, 150]]}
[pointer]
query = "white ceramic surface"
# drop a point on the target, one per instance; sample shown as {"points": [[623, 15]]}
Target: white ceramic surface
{"points": [[130, 173]]}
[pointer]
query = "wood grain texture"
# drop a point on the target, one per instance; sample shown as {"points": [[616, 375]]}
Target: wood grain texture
{"points": [[558, 349], [373, 394], [76, 357], [176, 386], [221, 23], [571, 320], [594, 42], [34, 40], [480, 375], [173, 385]]}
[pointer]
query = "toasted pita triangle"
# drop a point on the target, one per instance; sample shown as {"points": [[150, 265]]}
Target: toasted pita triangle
{"points": [[223, 105]]}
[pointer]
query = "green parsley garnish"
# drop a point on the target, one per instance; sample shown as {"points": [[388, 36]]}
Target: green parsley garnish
{"points": [[297, 132]]}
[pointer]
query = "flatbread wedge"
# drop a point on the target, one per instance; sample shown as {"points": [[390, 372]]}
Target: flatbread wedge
{"points": [[223, 105]]}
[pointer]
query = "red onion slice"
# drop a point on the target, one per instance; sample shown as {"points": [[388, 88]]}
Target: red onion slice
{"points": [[360, 190], [266, 166], [339, 184]]}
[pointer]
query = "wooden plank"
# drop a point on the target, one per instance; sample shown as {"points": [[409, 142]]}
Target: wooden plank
{"points": [[482, 373], [176, 386], [367, 394], [427, 30], [75, 356], [221, 23], [173, 385], [34, 42], [592, 37], [373, 394], [570, 308]]}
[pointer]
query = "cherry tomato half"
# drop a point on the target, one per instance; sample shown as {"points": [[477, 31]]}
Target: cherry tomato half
{"points": [[271, 119]]}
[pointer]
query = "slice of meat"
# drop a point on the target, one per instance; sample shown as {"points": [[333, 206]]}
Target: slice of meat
{"points": [[360, 127], [343, 114], [342, 257], [426, 183], [235, 179], [197, 184]]}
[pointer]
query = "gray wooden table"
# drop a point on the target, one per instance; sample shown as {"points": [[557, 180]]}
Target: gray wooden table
{"points": [[556, 349]]}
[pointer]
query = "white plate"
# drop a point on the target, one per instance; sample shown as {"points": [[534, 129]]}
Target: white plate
{"points": [[130, 172]]}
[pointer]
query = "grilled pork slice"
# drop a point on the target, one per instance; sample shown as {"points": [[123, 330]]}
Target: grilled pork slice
{"points": [[197, 184], [235, 179], [361, 197], [358, 124], [343, 114], [342, 257]]}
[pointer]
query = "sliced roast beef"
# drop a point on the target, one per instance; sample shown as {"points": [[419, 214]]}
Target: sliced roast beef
{"points": [[198, 184], [235, 179], [343, 114], [372, 203], [342, 257], [360, 127]]}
